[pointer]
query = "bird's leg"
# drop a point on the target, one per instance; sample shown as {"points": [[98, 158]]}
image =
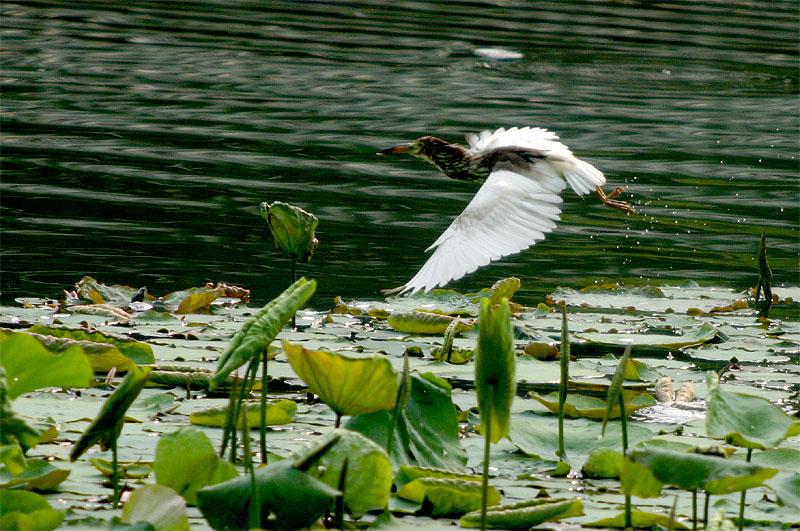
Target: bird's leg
{"points": [[608, 199]]}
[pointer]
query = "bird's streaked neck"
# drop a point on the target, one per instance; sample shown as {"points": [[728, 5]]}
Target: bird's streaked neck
{"points": [[451, 159]]}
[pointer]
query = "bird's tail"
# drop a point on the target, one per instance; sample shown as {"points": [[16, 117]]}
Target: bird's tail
{"points": [[581, 176]]}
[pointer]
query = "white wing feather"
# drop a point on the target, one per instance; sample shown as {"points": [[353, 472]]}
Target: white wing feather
{"points": [[508, 214]]}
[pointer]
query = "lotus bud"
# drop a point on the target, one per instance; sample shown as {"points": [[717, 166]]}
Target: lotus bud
{"points": [[293, 229]]}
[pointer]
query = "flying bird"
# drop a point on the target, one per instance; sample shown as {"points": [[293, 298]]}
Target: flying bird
{"points": [[523, 171]]}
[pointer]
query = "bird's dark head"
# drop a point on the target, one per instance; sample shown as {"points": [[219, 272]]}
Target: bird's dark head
{"points": [[424, 147]]}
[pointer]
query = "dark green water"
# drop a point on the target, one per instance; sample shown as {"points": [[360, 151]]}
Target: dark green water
{"points": [[138, 138]]}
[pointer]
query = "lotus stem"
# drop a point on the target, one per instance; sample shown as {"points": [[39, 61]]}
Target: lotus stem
{"points": [[562, 386], [338, 515], [623, 417], [293, 259], [694, 509], [253, 513], [114, 472], [226, 433], [705, 508], [744, 494], [338, 420], [263, 428], [486, 427]]}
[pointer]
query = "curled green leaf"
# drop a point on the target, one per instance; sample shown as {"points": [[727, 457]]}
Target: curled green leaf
{"points": [[292, 228]]}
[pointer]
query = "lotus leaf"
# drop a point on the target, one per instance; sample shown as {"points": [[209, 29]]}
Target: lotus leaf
{"points": [[292, 228], [99, 293], [695, 337], [495, 365], [295, 499], [132, 470], [369, 472], [639, 520], [638, 480], [186, 461], [422, 322], [746, 420], [787, 487], [427, 428], [448, 497], [138, 351], [349, 386], [255, 335], [278, 413], [590, 407], [691, 471], [38, 475], [29, 366], [524, 515], [603, 463], [103, 357], [12, 458], [159, 506], [407, 474], [24, 510]]}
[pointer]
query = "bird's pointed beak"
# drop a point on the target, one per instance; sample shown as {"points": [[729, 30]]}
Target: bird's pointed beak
{"points": [[405, 148]]}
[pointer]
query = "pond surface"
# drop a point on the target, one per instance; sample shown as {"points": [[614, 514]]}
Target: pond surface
{"points": [[139, 139]]}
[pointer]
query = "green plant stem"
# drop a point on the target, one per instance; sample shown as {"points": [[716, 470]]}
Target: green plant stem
{"points": [[694, 509], [338, 420], [263, 428], [623, 417], [338, 515], [705, 508], [253, 512], [294, 275], [226, 433], [486, 427], [562, 386], [744, 494], [114, 472]]}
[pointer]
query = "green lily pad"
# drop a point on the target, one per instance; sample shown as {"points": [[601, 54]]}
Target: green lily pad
{"points": [[186, 461], [590, 407], [746, 420], [524, 515], [603, 463], [695, 337], [38, 475], [422, 322], [139, 352], [349, 386], [427, 429], [639, 520], [24, 510], [30, 366], [278, 413], [447, 497], [159, 506]]}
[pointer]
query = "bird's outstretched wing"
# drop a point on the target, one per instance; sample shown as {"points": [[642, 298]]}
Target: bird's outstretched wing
{"points": [[508, 214], [581, 176]]}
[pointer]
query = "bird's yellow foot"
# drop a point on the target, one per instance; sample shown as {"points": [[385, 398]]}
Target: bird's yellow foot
{"points": [[608, 199]]}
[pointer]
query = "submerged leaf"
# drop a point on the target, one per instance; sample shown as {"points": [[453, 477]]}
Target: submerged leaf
{"points": [[349, 386], [524, 515], [255, 335], [495, 366], [746, 420]]}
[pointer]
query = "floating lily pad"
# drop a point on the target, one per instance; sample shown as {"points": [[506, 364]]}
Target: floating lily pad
{"points": [[447, 497], [278, 413], [524, 515], [158, 506], [578, 406]]}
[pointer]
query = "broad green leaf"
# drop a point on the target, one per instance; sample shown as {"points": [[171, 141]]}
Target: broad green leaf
{"points": [[27, 511], [107, 426], [369, 471], [186, 461], [638, 480], [422, 322], [639, 520], [786, 459], [292, 228], [695, 471], [99, 293], [695, 337], [102, 357], [603, 463], [639, 371], [29, 366], [255, 335], [39, 475], [159, 506], [495, 365], [14, 430], [139, 352], [745, 420], [295, 498], [591, 407], [349, 386], [580, 438], [448, 497], [12, 459], [278, 413], [427, 430], [524, 515], [407, 474], [787, 488], [133, 470]]}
